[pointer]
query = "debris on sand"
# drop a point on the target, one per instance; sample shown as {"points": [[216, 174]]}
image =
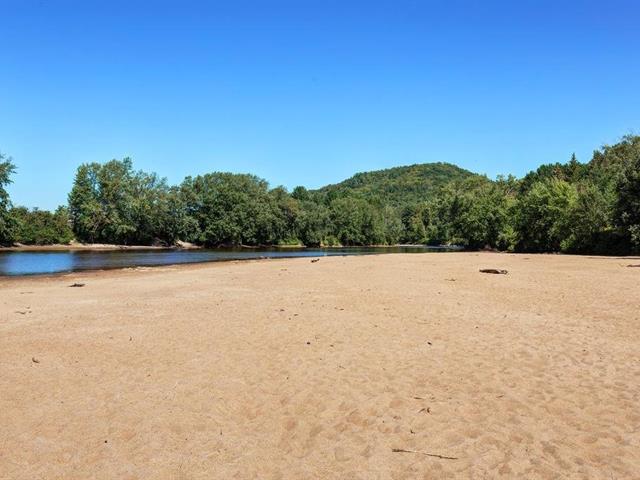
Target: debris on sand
{"points": [[444, 457], [631, 265], [77, 285], [315, 260], [495, 271], [35, 360]]}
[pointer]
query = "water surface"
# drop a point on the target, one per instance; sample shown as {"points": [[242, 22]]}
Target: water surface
{"points": [[42, 262]]}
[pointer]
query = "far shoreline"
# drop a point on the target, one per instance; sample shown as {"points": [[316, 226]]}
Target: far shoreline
{"points": [[88, 247], [187, 246]]}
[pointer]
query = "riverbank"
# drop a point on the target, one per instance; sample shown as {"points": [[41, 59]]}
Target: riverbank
{"points": [[190, 246], [92, 247], [386, 366]]}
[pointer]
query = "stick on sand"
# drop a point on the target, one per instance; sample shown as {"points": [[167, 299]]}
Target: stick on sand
{"points": [[444, 457]]}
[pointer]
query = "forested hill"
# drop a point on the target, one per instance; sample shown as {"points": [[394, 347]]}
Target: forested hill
{"points": [[398, 185], [570, 206]]}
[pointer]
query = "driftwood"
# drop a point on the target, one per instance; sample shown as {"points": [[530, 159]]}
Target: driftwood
{"points": [[632, 265], [494, 271], [315, 260], [444, 457], [76, 285]]}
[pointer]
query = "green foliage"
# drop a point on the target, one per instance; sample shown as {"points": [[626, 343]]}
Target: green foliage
{"points": [[570, 207], [542, 215], [569, 172], [396, 186], [313, 224], [7, 168], [41, 227], [237, 209], [627, 207], [474, 211], [414, 220], [356, 222], [112, 203], [392, 227], [588, 220]]}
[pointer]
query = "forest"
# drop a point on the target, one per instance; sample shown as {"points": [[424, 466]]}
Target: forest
{"points": [[571, 207]]}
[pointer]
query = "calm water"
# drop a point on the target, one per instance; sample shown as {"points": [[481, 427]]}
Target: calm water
{"points": [[34, 263]]}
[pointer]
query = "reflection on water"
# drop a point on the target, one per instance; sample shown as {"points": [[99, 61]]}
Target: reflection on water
{"points": [[31, 263]]}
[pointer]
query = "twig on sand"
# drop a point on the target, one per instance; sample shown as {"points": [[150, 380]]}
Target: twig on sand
{"points": [[315, 260], [633, 265], [76, 285], [494, 271], [444, 457]]}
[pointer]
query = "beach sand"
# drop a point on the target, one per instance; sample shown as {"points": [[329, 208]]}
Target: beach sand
{"points": [[299, 370]]}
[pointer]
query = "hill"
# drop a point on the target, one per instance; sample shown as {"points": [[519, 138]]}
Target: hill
{"points": [[398, 185]]}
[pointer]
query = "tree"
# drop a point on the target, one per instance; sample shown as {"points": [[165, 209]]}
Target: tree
{"points": [[112, 203], [391, 225], [542, 218], [85, 208], [313, 224], [300, 193], [356, 222], [413, 224], [284, 211], [41, 227], [627, 208], [473, 213], [7, 168], [589, 220], [233, 209]]}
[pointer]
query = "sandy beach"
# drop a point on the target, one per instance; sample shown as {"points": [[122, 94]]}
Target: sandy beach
{"points": [[372, 367]]}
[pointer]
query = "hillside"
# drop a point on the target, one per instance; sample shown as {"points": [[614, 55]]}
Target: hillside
{"points": [[398, 185]]}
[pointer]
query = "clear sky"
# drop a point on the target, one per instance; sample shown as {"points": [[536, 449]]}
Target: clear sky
{"points": [[310, 92]]}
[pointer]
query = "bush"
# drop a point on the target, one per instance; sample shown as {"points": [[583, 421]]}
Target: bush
{"points": [[40, 227]]}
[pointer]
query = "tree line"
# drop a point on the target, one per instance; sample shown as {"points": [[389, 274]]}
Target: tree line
{"points": [[573, 207]]}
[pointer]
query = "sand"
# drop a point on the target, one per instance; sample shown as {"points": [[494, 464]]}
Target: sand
{"points": [[292, 369]]}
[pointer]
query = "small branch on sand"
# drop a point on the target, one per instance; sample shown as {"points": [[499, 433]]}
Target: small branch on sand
{"points": [[77, 285], [632, 265], [494, 271], [435, 455]]}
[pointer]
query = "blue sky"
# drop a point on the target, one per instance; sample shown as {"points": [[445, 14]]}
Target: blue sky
{"points": [[310, 92]]}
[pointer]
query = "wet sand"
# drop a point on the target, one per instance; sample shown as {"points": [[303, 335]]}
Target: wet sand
{"points": [[350, 367]]}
